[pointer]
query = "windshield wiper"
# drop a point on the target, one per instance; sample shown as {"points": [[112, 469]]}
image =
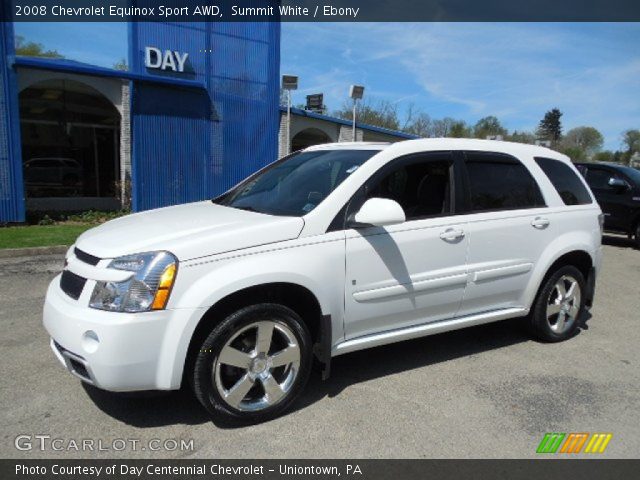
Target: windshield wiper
{"points": [[248, 209]]}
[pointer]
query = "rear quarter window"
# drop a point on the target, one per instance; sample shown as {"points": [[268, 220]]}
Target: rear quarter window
{"points": [[566, 182]]}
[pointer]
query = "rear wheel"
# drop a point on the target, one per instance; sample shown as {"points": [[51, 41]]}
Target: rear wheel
{"points": [[254, 364], [559, 305]]}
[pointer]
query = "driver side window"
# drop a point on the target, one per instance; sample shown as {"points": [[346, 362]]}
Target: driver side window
{"points": [[598, 178], [422, 188]]}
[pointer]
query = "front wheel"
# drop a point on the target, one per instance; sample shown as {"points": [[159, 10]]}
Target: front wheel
{"points": [[253, 364], [559, 305]]}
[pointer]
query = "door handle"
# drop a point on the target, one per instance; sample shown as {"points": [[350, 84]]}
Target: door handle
{"points": [[451, 234], [540, 222]]}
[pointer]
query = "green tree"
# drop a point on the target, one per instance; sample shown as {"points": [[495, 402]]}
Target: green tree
{"points": [[32, 49], [121, 65], [442, 127], [522, 137], [587, 139], [460, 129], [488, 126], [380, 114], [576, 154], [550, 127], [604, 156], [631, 141], [419, 124], [618, 156]]}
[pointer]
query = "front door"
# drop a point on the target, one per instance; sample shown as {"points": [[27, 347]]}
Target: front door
{"points": [[414, 272], [615, 202]]}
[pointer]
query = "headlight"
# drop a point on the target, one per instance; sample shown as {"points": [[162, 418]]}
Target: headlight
{"points": [[148, 289]]}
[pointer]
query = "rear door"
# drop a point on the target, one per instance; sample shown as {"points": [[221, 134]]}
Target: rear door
{"points": [[508, 228]]}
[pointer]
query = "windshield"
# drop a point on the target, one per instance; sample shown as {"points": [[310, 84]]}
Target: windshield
{"points": [[297, 184]]}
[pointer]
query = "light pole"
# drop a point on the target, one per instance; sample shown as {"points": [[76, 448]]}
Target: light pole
{"points": [[355, 92], [289, 82]]}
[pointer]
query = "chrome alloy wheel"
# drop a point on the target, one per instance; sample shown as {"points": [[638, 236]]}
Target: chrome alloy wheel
{"points": [[564, 304], [258, 366]]}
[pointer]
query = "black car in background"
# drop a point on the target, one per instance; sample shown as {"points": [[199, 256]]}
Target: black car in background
{"points": [[617, 190]]}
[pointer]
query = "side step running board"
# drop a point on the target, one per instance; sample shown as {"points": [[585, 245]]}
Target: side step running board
{"points": [[424, 330]]}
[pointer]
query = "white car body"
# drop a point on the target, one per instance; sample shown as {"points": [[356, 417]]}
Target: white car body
{"points": [[416, 278]]}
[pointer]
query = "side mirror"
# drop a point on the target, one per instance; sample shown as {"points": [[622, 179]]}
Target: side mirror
{"points": [[378, 212], [618, 184]]}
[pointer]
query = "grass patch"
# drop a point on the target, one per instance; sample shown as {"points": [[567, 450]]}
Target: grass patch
{"points": [[46, 229], [40, 236]]}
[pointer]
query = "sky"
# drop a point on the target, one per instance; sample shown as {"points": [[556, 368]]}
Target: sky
{"points": [[515, 71]]}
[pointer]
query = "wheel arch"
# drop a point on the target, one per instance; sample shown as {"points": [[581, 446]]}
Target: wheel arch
{"points": [[292, 295], [578, 257]]}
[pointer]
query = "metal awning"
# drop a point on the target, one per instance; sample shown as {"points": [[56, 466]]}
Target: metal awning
{"points": [[70, 66]]}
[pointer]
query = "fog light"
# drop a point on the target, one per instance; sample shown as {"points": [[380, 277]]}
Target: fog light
{"points": [[90, 341]]}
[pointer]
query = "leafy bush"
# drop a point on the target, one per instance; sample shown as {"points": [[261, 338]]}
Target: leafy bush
{"points": [[91, 217], [46, 220]]}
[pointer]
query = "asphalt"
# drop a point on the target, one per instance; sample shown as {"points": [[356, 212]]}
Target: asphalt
{"points": [[484, 392]]}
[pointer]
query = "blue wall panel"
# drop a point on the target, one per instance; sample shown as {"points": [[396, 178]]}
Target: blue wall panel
{"points": [[11, 186], [193, 144]]}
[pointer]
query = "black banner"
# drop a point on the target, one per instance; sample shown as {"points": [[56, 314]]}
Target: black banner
{"points": [[322, 11], [544, 469]]}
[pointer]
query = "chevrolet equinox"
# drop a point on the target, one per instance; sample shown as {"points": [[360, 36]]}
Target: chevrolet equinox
{"points": [[332, 249]]}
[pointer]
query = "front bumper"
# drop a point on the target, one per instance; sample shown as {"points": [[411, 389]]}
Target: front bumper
{"points": [[111, 350]]}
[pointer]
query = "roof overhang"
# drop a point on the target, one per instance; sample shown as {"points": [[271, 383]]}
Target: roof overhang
{"points": [[92, 70], [340, 121]]}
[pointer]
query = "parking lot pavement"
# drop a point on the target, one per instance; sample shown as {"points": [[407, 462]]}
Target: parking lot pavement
{"points": [[487, 391]]}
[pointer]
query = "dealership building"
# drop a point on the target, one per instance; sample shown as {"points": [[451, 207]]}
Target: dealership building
{"points": [[196, 110]]}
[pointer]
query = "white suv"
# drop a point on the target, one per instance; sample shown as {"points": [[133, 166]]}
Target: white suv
{"points": [[336, 248]]}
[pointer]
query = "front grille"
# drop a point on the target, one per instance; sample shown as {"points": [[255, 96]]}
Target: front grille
{"points": [[85, 257], [72, 284]]}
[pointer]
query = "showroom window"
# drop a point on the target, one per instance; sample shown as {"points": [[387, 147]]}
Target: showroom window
{"points": [[70, 140]]}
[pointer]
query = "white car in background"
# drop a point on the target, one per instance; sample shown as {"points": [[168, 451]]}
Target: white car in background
{"points": [[336, 248]]}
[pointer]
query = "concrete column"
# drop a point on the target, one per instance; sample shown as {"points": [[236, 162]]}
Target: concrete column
{"points": [[125, 145], [282, 135], [346, 134]]}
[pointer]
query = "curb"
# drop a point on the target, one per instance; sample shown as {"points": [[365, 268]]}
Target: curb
{"points": [[27, 252]]}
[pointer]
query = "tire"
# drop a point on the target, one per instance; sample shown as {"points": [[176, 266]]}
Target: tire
{"points": [[242, 376], [636, 236], [555, 316]]}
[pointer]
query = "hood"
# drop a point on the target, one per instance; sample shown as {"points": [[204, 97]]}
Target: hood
{"points": [[188, 231]]}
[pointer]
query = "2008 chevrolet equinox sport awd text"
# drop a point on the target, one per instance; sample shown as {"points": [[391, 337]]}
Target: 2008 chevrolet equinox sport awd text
{"points": [[333, 249]]}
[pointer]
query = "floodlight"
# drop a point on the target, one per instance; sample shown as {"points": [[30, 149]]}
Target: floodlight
{"points": [[356, 92], [289, 82]]}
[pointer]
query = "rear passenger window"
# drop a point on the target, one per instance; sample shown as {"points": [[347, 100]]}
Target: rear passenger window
{"points": [[500, 182], [567, 184]]}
